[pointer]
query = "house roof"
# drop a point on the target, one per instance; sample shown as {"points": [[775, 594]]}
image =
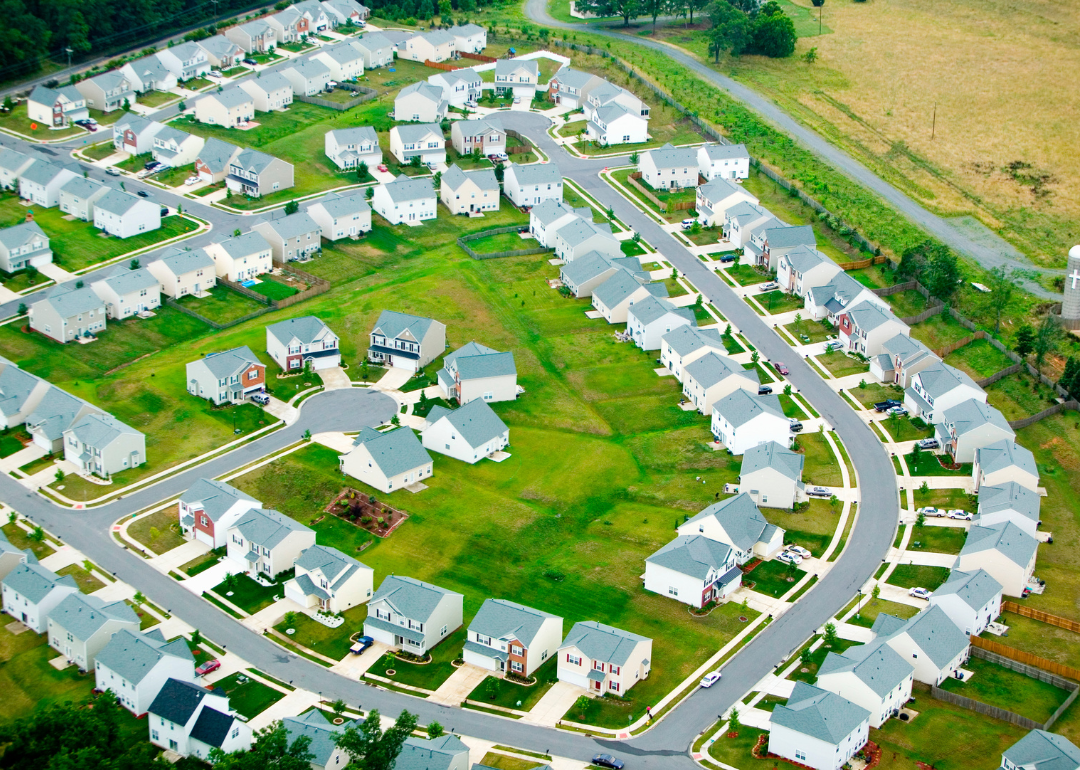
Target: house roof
{"points": [[535, 173], [185, 51], [216, 497], [13, 160], [819, 714], [549, 210], [79, 187], [125, 281], [216, 154], [309, 69], [510, 66], [713, 368], [975, 588], [33, 582], [804, 258], [868, 316], [405, 188], [484, 178], [940, 378], [68, 301], [306, 329], [229, 362], [178, 700], [607, 92], [211, 727], [372, 41], [692, 555], [335, 566], [609, 113], [393, 324], [109, 81], [593, 264], [686, 339], [718, 188], [604, 643], [577, 231], [1006, 454], [175, 135], [465, 30], [740, 518], [745, 211], [412, 598], [467, 75], [616, 289], [573, 78], [418, 132], [907, 348], [501, 619], [341, 205], [133, 655], [875, 664], [81, 615], [438, 37], [653, 309], [1009, 497], [1006, 538], [886, 625], [1040, 750], [20, 235], [343, 53], [255, 27], [100, 430], [430, 754], [423, 89], [15, 388], [725, 151], [267, 528], [182, 261], [395, 451], [219, 46], [476, 422], [293, 225], [971, 414], [842, 286], [231, 97], [244, 245], [790, 236], [476, 361], [355, 135], [55, 412], [936, 635], [739, 407], [42, 172], [255, 162], [43, 95], [321, 734], [772, 455], [119, 202], [270, 81], [670, 156]]}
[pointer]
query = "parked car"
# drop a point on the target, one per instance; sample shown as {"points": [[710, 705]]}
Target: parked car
{"points": [[781, 367], [361, 644], [687, 223], [888, 403], [207, 667], [931, 511], [800, 550], [191, 180], [143, 194], [959, 515], [89, 125], [796, 426], [164, 211], [834, 345], [727, 258], [764, 390], [606, 760], [770, 286], [818, 492], [517, 100], [789, 558], [151, 164], [710, 679], [920, 593], [249, 62], [260, 398], [900, 411], [928, 443], [112, 171], [500, 157], [382, 167], [215, 74]]}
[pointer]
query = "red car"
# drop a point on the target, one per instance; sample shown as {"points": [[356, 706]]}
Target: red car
{"points": [[781, 367], [382, 167], [207, 667]]}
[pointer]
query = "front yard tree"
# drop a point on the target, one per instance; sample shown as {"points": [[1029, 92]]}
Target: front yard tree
{"points": [[733, 722], [435, 730], [291, 207], [829, 634], [361, 170], [373, 748]]}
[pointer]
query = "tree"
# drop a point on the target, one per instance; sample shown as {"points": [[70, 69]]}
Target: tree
{"points": [[1025, 341], [1047, 337], [806, 656], [361, 170], [810, 56], [291, 208], [236, 233], [139, 599], [37, 535], [733, 721], [829, 634], [372, 748], [874, 594], [435, 730], [942, 273], [654, 8], [270, 749], [694, 5], [338, 707], [22, 308], [196, 636], [817, 3], [920, 520], [369, 193], [1003, 292], [414, 161], [437, 179], [798, 322], [182, 105], [1070, 378], [59, 475], [635, 156], [627, 9], [135, 264], [773, 34], [730, 30]]}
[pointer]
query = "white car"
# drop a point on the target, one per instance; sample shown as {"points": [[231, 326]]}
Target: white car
{"points": [[920, 593], [799, 550], [710, 679], [931, 511], [789, 558], [191, 180], [112, 171], [956, 513], [517, 100], [687, 223]]}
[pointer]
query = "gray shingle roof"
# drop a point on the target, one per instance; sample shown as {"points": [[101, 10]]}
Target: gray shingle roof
{"points": [[906, 347], [876, 664], [886, 624], [687, 339], [109, 81], [936, 635], [335, 566], [867, 316], [393, 324], [118, 202], [745, 211], [484, 178], [321, 733], [126, 281], [739, 407], [740, 518], [170, 134], [476, 361], [79, 187], [535, 173], [81, 615], [654, 308], [616, 289], [267, 528], [940, 378], [229, 362], [34, 582], [309, 69], [178, 700], [254, 161], [342, 205], [19, 235], [182, 261], [216, 154], [1009, 497], [577, 231], [971, 415], [294, 225], [405, 188], [245, 245], [692, 555], [465, 30], [842, 285], [772, 455], [54, 413], [505, 620], [424, 89], [1040, 750], [211, 727], [717, 189], [510, 66], [412, 598], [670, 156], [593, 264], [373, 41], [69, 301], [41, 172], [790, 236], [476, 422], [805, 258], [601, 642], [468, 75], [819, 714], [216, 497], [725, 151], [15, 387], [356, 135], [1009, 540], [219, 46], [573, 78], [713, 368], [133, 655], [342, 54], [231, 97], [549, 210], [100, 430], [974, 588], [306, 329], [1006, 454], [395, 451], [186, 51], [418, 132], [431, 754], [11, 160]]}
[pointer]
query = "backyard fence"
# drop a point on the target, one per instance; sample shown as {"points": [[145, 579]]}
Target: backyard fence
{"points": [[896, 288], [441, 65], [316, 286], [525, 145], [477, 57], [665, 207], [952, 347], [988, 381], [930, 312], [985, 709], [214, 324], [1043, 617], [244, 290], [365, 95], [1048, 412], [860, 264], [463, 243], [1003, 650]]}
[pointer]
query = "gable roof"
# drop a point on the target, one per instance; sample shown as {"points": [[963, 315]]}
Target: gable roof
{"points": [[653, 309], [321, 733], [907, 348], [68, 301], [1009, 497], [616, 289], [423, 89], [484, 178], [772, 455], [1006, 454], [211, 727], [535, 173], [971, 415], [395, 451], [374, 40], [393, 324], [712, 368], [178, 700], [886, 625], [790, 236], [216, 154], [819, 714], [670, 156], [975, 588], [739, 407], [216, 497], [182, 261], [875, 664], [686, 339], [267, 528], [244, 245], [133, 655], [1006, 538], [405, 188], [254, 161], [577, 231], [412, 598], [79, 187], [548, 210], [1040, 750], [343, 53], [418, 132], [100, 430], [335, 566], [692, 555], [229, 362], [501, 619], [341, 205], [81, 615], [725, 151], [34, 582], [940, 378], [718, 188], [474, 361], [804, 258], [510, 66], [740, 518], [355, 135], [55, 412], [936, 635], [476, 422], [293, 225], [306, 329], [309, 69], [125, 281], [219, 46], [15, 388], [868, 316], [601, 642], [19, 235], [231, 97], [430, 754]]}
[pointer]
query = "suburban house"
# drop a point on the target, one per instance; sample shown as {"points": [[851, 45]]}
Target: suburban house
{"points": [[483, 135], [308, 77], [615, 124], [569, 87], [424, 140], [20, 394], [209, 508], [221, 52], [713, 376], [804, 268], [290, 25], [292, 237], [742, 420], [175, 147], [107, 92], [122, 215], [185, 60], [266, 542], [270, 91], [828, 301], [865, 328], [148, 74], [67, 313], [190, 720], [77, 198], [930, 642], [412, 615], [255, 36], [436, 45], [41, 182], [469, 38], [241, 257], [683, 345], [1009, 502], [345, 11], [31, 592], [604, 659], [228, 376], [344, 61], [1005, 551], [341, 216], [817, 728], [693, 570], [475, 371], [12, 164], [581, 236], [56, 107], [511, 638], [329, 581], [296, 342], [972, 600], [775, 242], [753, 241], [715, 197], [184, 271], [135, 666], [469, 192], [322, 737], [607, 94], [771, 475], [444, 753], [533, 184], [387, 461], [939, 387], [406, 199], [459, 87], [80, 626], [135, 134], [614, 297], [214, 160], [1040, 749], [669, 168], [737, 522], [24, 245], [519, 76], [377, 49], [420, 102], [723, 161], [547, 217], [469, 433], [102, 445], [53, 415], [349, 147], [872, 676], [254, 174], [406, 341], [11, 557], [228, 108], [740, 219], [587, 272], [318, 16], [900, 359], [1003, 462], [967, 427]]}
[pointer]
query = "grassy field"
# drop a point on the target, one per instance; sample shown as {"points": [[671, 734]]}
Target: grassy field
{"points": [[998, 686], [871, 608], [938, 331], [1019, 396], [812, 527], [820, 465], [979, 359], [87, 583], [18, 121], [917, 575], [875, 392], [426, 675], [812, 331], [247, 594], [938, 539], [221, 304], [840, 365], [331, 642], [511, 695], [248, 698], [19, 538], [156, 531]]}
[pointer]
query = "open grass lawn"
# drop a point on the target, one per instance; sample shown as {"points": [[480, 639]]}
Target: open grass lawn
{"points": [[426, 675], [875, 392], [19, 538], [100, 151], [918, 576], [249, 595], [175, 177], [773, 578], [979, 359], [511, 695], [157, 532], [820, 465], [39, 464], [1042, 639], [944, 498], [998, 686], [776, 302], [158, 98], [632, 249], [1019, 396], [807, 671], [665, 125], [706, 236], [907, 428], [202, 563], [134, 162], [490, 244], [18, 121], [907, 303], [87, 583], [273, 288], [811, 526], [248, 698], [747, 275], [331, 642], [13, 440], [938, 331], [938, 539], [222, 305], [871, 608], [29, 682], [736, 751], [840, 364], [503, 762], [808, 331], [929, 464]]}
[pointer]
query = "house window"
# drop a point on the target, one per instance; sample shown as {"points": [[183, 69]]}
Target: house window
{"points": [[573, 660], [613, 686], [673, 591], [800, 755], [516, 667]]}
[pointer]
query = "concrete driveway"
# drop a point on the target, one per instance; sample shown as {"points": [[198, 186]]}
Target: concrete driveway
{"points": [[457, 688], [394, 379], [355, 666], [267, 617], [180, 555], [334, 378], [204, 581], [281, 410], [555, 703]]}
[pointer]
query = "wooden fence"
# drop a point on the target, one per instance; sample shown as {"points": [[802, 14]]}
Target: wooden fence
{"points": [[1048, 412], [1024, 657], [477, 57], [244, 290], [214, 324], [464, 240], [896, 288], [525, 146], [442, 65], [316, 286], [1000, 375], [986, 710], [366, 95], [860, 264], [665, 207], [952, 347], [1043, 617]]}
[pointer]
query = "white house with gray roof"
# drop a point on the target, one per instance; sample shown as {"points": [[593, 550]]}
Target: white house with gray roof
{"points": [[1040, 750], [469, 192], [614, 297], [475, 371], [228, 376], [107, 92], [569, 87], [1005, 551], [214, 160], [67, 313], [420, 102], [343, 61], [715, 197], [742, 420], [581, 235], [670, 167], [436, 45], [549, 215], [102, 445], [135, 134], [969, 426], [972, 600], [182, 271], [185, 60], [483, 135], [531, 184], [266, 542], [817, 728], [406, 341], [406, 199], [511, 638], [341, 216], [694, 570], [349, 147], [122, 215], [270, 91], [241, 257], [900, 359], [737, 522], [872, 676], [683, 345], [412, 615], [40, 182], [723, 161], [377, 48], [865, 327], [175, 147], [469, 38], [1009, 502], [322, 737], [293, 237], [422, 139], [444, 753], [256, 36], [614, 124], [387, 461], [55, 413], [221, 52], [254, 174], [930, 642], [20, 393], [31, 592], [1003, 462], [78, 195], [519, 76], [740, 219], [80, 626], [148, 74], [459, 87], [803, 268], [191, 720], [135, 666], [328, 580], [607, 94], [24, 245], [469, 433], [774, 242], [12, 164], [308, 77], [297, 341], [209, 508], [56, 107], [652, 318], [603, 659], [229, 108], [11, 557], [771, 475], [590, 270], [829, 301]]}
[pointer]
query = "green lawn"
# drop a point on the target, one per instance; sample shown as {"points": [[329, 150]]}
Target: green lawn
{"points": [[907, 428], [273, 289], [19, 538], [776, 302], [918, 576], [202, 563], [940, 330], [907, 303], [746, 275], [331, 642], [13, 440], [945, 498], [773, 578], [29, 682], [875, 392], [1051, 642], [87, 583], [248, 698], [426, 675], [1019, 396], [812, 526], [979, 359], [490, 244], [157, 531], [221, 305], [511, 695], [807, 670], [100, 151], [17, 120], [735, 751], [929, 464], [157, 98], [871, 608], [998, 686], [247, 594], [839, 364], [821, 465], [938, 539], [175, 177]]}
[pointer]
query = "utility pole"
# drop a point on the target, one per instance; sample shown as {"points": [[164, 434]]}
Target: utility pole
{"points": [[68, 51]]}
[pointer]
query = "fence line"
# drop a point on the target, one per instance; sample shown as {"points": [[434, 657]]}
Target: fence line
{"points": [[860, 264], [982, 708], [988, 381], [366, 95], [1048, 412], [977, 642], [464, 240], [928, 313], [440, 65], [525, 147], [316, 286], [477, 57], [214, 324], [1035, 673], [244, 290], [945, 350], [1042, 617], [896, 288]]}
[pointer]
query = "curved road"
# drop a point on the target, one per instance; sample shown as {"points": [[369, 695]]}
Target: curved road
{"points": [[939, 227]]}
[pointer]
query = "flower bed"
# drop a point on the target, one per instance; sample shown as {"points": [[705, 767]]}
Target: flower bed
{"points": [[366, 512]]}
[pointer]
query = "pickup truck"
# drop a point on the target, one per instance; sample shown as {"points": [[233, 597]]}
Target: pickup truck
{"points": [[884, 406]]}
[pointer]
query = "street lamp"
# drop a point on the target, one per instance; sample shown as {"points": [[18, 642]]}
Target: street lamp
{"points": [[68, 51]]}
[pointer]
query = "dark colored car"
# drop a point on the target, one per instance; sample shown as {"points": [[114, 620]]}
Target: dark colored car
{"points": [[164, 211], [361, 644], [764, 390], [728, 258], [781, 367], [150, 164], [606, 760], [818, 492], [882, 406], [249, 62], [796, 427], [143, 194], [207, 667]]}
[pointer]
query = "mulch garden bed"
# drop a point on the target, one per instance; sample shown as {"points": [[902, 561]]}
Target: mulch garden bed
{"points": [[366, 512]]}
